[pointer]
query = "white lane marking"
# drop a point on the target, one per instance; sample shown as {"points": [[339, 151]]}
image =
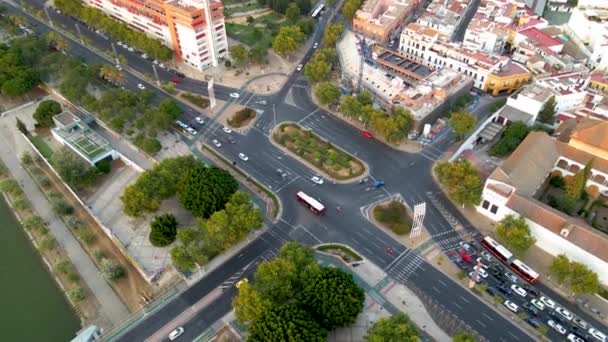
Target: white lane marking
{"points": [[456, 305], [488, 317], [515, 337], [483, 325], [464, 299], [306, 117]]}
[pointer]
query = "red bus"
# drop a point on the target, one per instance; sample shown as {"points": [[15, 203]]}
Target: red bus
{"points": [[496, 249], [524, 271], [312, 204]]}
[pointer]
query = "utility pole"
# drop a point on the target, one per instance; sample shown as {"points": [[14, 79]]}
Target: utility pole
{"points": [[48, 16], [116, 53], [156, 75], [79, 34]]}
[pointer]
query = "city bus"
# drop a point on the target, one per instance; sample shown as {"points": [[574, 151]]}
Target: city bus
{"points": [[524, 271], [317, 11], [507, 258], [311, 203], [496, 249]]}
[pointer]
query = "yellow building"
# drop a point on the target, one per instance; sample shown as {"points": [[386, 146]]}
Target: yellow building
{"points": [[506, 79], [599, 81]]}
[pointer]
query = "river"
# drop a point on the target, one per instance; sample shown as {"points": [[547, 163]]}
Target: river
{"points": [[32, 306]]}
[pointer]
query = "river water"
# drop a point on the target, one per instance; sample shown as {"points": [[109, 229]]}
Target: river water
{"points": [[32, 306]]}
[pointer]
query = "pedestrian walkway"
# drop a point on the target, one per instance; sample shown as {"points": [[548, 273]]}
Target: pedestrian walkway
{"points": [[14, 145]]}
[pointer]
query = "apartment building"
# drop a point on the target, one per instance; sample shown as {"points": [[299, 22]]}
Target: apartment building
{"points": [[194, 29], [589, 27], [495, 74], [491, 26], [380, 19], [444, 16]]}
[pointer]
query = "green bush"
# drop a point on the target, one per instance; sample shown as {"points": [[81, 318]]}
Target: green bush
{"points": [[99, 255], [48, 244], [60, 205], [241, 117], [163, 230], [87, 236], [149, 145], [394, 216], [110, 269], [76, 294], [104, 166], [557, 181]]}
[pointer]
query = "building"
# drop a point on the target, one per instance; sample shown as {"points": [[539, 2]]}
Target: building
{"points": [[569, 89], [538, 6], [514, 188], [495, 74], [380, 19], [533, 40], [491, 26], [589, 28], [194, 29], [599, 81], [72, 132], [445, 16]]}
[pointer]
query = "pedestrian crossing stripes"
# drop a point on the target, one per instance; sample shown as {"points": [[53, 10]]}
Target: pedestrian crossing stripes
{"points": [[407, 264]]}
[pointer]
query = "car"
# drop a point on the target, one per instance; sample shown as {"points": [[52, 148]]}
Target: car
{"points": [[556, 326], [161, 65], [315, 45], [180, 124], [155, 62], [534, 323], [531, 309], [131, 49], [317, 180], [235, 95], [216, 143], [191, 131], [482, 272], [243, 157], [512, 277], [118, 67], [241, 282], [511, 306], [480, 262], [141, 86], [175, 79], [119, 43], [144, 56], [227, 130], [548, 302], [558, 318], [366, 134], [574, 338], [486, 255], [461, 264], [180, 74], [580, 323], [492, 291], [299, 68], [519, 290], [539, 305], [531, 290], [232, 141], [598, 335], [565, 313], [466, 246], [176, 333], [199, 120]]}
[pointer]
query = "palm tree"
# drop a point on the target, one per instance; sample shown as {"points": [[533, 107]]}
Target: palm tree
{"points": [[112, 75], [57, 41]]}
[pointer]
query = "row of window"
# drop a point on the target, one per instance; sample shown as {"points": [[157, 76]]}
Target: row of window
{"points": [[489, 206], [439, 62]]}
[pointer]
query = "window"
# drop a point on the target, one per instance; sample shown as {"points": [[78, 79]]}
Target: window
{"points": [[494, 209], [485, 204]]}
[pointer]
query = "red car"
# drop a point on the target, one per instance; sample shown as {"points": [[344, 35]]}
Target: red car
{"points": [[366, 134], [175, 79]]}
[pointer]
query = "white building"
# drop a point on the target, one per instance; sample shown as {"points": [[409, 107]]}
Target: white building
{"points": [[590, 26]]}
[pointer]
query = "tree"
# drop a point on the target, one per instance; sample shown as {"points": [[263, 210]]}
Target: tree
{"points": [[286, 323], [181, 258], [45, 111], [350, 8], [397, 328], [582, 279], [104, 166], [463, 337], [560, 268], [462, 123], [513, 135], [163, 230], [239, 54], [168, 111], [327, 93], [258, 53], [288, 40], [250, 305], [350, 106], [461, 180], [73, 169], [112, 75], [21, 127], [331, 3], [547, 113], [331, 34], [250, 20], [515, 233], [292, 13], [333, 298], [206, 190], [56, 41], [318, 69], [110, 269], [575, 185]]}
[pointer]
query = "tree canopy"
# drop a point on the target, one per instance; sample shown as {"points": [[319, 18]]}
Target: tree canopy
{"points": [[513, 135], [349, 9], [17, 73], [317, 69], [293, 12], [462, 123], [45, 111], [575, 185], [547, 113], [515, 234], [332, 34], [73, 169], [461, 180], [286, 323], [397, 328], [239, 54], [163, 230], [281, 6], [288, 40], [206, 190], [560, 268], [327, 93], [463, 337], [580, 278]]}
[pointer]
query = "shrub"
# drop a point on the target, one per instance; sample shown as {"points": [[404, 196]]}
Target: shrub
{"points": [[110, 269], [104, 166], [148, 145], [240, 117], [557, 181], [163, 230], [394, 216], [76, 294], [21, 203], [87, 236], [48, 244], [99, 255], [60, 205], [33, 223]]}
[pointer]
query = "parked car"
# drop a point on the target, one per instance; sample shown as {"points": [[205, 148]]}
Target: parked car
{"points": [[477, 279], [539, 305], [578, 331], [512, 277], [492, 291], [317, 180], [480, 261], [531, 309], [534, 322], [176, 79], [466, 246], [556, 326], [482, 272], [176, 333], [366, 134], [243, 157], [548, 302], [504, 288], [598, 335], [520, 291], [235, 95], [199, 120], [511, 306], [531, 290], [487, 256], [141, 86], [574, 338], [299, 68], [565, 313], [216, 143], [580, 323], [227, 130], [191, 131]]}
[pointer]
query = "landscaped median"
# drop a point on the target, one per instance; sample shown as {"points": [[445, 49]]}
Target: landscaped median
{"points": [[343, 252], [319, 154]]}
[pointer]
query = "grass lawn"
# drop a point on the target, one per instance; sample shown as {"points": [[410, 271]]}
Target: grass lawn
{"points": [[323, 155], [261, 32], [345, 253], [228, 11], [394, 216], [42, 147]]}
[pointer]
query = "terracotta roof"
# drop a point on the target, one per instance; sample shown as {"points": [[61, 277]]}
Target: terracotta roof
{"points": [[540, 38], [599, 77], [592, 132]]}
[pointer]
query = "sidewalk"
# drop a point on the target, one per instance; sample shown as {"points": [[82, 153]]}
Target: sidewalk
{"points": [[112, 308]]}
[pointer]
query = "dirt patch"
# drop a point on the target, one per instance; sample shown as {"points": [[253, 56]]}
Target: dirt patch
{"points": [[242, 19], [242, 119], [226, 335]]}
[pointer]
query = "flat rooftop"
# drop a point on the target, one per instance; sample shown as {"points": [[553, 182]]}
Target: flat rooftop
{"points": [[400, 62], [81, 137]]}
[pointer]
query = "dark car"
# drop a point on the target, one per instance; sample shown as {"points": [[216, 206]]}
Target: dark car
{"points": [[492, 291], [531, 290], [578, 331], [534, 322], [505, 289], [461, 264], [558, 318], [531, 309], [180, 74]]}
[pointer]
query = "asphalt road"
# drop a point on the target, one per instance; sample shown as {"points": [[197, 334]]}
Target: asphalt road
{"points": [[406, 175]]}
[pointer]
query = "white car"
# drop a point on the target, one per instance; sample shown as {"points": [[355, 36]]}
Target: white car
{"points": [[176, 333], [574, 338], [483, 265], [598, 335], [199, 120], [141, 86], [317, 180], [511, 306], [243, 157], [315, 45], [465, 246], [517, 289], [538, 304], [235, 95], [227, 130], [155, 62], [565, 313], [191, 131], [119, 43], [486, 255], [118, 67], [548, 302], [161, 65], [144, 56], [131, 49], [299, 68], [477, 279], [553, 324], [216, 143]]}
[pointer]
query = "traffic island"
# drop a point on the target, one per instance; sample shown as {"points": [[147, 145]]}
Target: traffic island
{"points": [[319, 154], [343, 252], [394, 216]]}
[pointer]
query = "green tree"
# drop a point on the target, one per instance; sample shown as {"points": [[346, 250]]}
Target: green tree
{"points": [[515, 234], [327, 93], [286, 323], [513, 135], [462, 123], [250, 305], [168, 111], [292, 13], [206, 190], [239, 54], [350, 8], [163, 230], [288, 40], [318, 69], [461, 180], [104, 166], [110, 269], [73, 169], [331, 3], [45, 111], [582, 279], [258, 53], [560, 268], [332, 34], [306, 25], [575, 185], [333, 298], [365, 98], [463, 337], [350, 106], [21, 127], [181, 258], [397, 328], [547, 113]]}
